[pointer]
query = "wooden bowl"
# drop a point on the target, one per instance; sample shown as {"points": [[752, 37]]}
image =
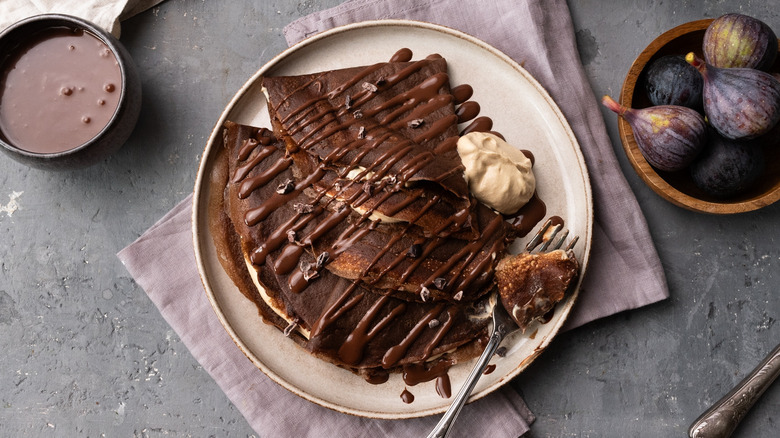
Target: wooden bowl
{"points": [[678, 187]]}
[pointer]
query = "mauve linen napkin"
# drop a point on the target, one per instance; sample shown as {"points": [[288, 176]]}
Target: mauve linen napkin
{"points": [[624, 271]]}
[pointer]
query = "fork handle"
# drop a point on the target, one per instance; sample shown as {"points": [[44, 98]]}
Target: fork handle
{"points": [[722, 418], [444, 425]]}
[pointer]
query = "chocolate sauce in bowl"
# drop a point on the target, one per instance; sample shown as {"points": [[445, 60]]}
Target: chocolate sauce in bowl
{"points": [[58, 90]]}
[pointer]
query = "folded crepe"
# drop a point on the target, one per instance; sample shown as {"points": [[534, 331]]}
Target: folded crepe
{"points": [[350, 224]]}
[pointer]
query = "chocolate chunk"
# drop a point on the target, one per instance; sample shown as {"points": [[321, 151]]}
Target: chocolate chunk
{"points": [[291, 235], [368, 86], [358, 114], [458, 296], [322, 259], [368, 188], [362, 132], [289, 329], [348, 102], [285, 187], [302, 208], [310, 274], [433, 323], [415, 251], [416, 123], [309, 271], [440, 283], [425, 294]]}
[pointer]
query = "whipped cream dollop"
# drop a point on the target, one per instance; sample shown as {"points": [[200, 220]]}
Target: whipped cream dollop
{"points": [[498, 174]]}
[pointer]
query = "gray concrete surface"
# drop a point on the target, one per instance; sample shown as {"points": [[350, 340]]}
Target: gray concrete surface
{"points": [[85, 353]]}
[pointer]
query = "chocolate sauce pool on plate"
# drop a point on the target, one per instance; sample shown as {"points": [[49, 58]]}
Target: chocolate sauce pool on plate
{"points": [[58, 90]]}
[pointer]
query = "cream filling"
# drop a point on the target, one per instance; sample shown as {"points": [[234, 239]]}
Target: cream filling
{"points": [[377, 216], [354, 175], [268, 301]]}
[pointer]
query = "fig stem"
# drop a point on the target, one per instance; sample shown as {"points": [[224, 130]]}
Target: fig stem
{"points": [[695, 61], [613, 106]]}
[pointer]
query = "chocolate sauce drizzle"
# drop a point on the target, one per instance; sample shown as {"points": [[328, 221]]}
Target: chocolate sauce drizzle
{"points": [[369, 184]]}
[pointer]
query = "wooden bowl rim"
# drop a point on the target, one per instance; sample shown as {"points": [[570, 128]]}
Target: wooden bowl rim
{"points": [[645, 170]]}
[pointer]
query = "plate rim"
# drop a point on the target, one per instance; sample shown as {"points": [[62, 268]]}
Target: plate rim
{"points": [[207, 157]]}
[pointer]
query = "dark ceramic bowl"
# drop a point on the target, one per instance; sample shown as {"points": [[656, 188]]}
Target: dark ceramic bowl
{"points": [[120, 125], [678, 187]]}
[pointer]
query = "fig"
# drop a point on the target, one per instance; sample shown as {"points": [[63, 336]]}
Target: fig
{"points": [[739, 41], [669, 136], [672, 81], [727, 167], [740, 103]]}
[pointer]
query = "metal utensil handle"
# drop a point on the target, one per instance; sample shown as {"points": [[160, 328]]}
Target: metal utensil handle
{"points": [[444, 425], [722, 418]]}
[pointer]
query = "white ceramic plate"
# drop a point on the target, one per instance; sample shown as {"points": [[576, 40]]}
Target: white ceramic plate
{"points": [[521, 110]]}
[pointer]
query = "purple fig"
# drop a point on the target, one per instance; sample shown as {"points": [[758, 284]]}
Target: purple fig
{"points": [[740, 103], [727, 167], [672, 81], [739, 41], [669, 136]]}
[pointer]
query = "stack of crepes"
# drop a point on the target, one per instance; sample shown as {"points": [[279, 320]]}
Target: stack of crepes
{"points": [[350, 224]]}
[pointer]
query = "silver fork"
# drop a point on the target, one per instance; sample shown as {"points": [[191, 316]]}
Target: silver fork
{"points": [[503, 325]]}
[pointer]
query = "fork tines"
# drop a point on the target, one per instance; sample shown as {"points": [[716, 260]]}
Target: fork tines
{"points": [[547, 238]]}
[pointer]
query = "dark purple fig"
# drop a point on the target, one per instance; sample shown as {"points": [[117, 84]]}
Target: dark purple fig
{"points": [[739, 41], [672, 81], [669, 136], [727, 167], [740, 103]]}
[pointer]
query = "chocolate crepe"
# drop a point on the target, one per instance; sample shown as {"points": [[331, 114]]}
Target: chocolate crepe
{"points": [[351, 225], [344, 321]]}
